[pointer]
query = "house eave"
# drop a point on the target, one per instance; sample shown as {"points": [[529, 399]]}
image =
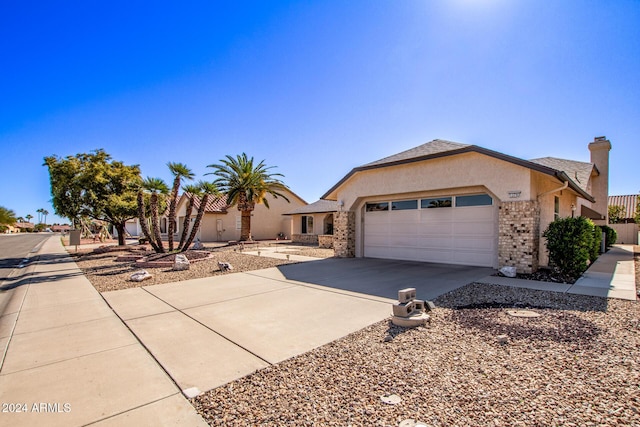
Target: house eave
{"points": [[467, 149]]}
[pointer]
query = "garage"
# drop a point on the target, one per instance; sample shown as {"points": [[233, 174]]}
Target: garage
{"points": [[459, 229]]}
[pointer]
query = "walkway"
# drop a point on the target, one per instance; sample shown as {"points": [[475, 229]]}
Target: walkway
{"points": [[69, 360]]}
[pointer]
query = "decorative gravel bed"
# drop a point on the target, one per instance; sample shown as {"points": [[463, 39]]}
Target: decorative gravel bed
{"points": [[578, 363], [106, 274]]}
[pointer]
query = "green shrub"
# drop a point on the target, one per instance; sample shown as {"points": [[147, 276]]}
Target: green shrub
{"points": [[596, 244], [570, 242], [611, 236]]}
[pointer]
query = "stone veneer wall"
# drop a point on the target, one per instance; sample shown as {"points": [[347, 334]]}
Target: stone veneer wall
{"points": [[311, 239], [325, 241], [519, 235], [344, 234]]}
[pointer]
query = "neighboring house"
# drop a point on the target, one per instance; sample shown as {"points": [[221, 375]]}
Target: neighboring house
{"points": [[23, 227], [56, 228], [222, 222], [626, 227], [314, 223], [463, 204]]}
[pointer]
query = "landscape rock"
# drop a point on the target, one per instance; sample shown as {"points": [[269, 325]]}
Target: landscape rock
{"points": [[181, 263], [225, 266], [197, 245], [140, 276], [508, 271]]}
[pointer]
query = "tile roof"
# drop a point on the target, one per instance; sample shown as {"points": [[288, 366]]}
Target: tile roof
{"points": [[214, 205], [629, 202], [579, 172], [316, 207]]}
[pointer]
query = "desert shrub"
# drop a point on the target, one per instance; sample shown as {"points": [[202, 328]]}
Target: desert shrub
{"points": [[611, 236], [570, 242], [596, 243]]}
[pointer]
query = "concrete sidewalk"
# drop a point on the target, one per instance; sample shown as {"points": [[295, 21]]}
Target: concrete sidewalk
{"points": [[210, 331], [70, 361], [612, 275]]}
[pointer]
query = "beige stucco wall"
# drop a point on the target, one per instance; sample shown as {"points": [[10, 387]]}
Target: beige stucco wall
{"points": [[452, 172], [461, 174], [266, 223], [318, 223]]}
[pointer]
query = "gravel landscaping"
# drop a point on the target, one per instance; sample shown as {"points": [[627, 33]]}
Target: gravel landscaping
{"points": [[107, 274], [475, 364], [577, 364]]}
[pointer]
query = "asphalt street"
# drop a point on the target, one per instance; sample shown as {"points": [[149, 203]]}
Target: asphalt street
{"points": [[15, 249]]}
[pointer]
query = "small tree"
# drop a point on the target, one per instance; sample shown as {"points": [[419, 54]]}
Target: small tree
{"points": [[616, 214], [95, 186], [570, 243], [636, 215]]}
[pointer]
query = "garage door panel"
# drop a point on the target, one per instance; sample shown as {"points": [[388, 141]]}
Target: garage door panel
{"points": [[403, 228], [464, 235], [471, 258], [408, 240], [377, 240], [435, 242], [475, 243], [435, 228]]}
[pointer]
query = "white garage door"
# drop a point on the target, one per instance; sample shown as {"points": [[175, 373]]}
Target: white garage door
{"points": [[452, 230]]}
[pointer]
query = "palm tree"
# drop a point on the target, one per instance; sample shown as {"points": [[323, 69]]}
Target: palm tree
{"points": [[192, 192], [142, 218], [156, 187], [246, 184], [179, 171], [40, 215], [206, 189], [7, 216], [45, 213], [28, 216]]}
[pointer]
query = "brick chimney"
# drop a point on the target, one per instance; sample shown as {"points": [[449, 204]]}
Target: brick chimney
{"points": [[599, 149]]}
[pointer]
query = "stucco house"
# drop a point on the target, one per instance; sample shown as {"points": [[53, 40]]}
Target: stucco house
{"points": [[463, 204], [313, 223], [221, 222]]}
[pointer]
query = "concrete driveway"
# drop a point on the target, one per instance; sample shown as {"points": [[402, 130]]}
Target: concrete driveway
{"points": [[384, 277], [207, 332]]}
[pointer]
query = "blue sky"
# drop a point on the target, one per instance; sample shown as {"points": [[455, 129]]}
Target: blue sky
{"points": [[312, 87]]}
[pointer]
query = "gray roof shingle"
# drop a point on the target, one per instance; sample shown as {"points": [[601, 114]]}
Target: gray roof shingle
{"points": [[436, 146], [320, 206], [579, 172]]}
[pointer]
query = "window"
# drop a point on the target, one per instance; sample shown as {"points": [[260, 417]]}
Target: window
{"points": [[307, 224], [556, 207], [377, 207], [404, 205], [439, 202], [475, 200], [238, 223]]}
